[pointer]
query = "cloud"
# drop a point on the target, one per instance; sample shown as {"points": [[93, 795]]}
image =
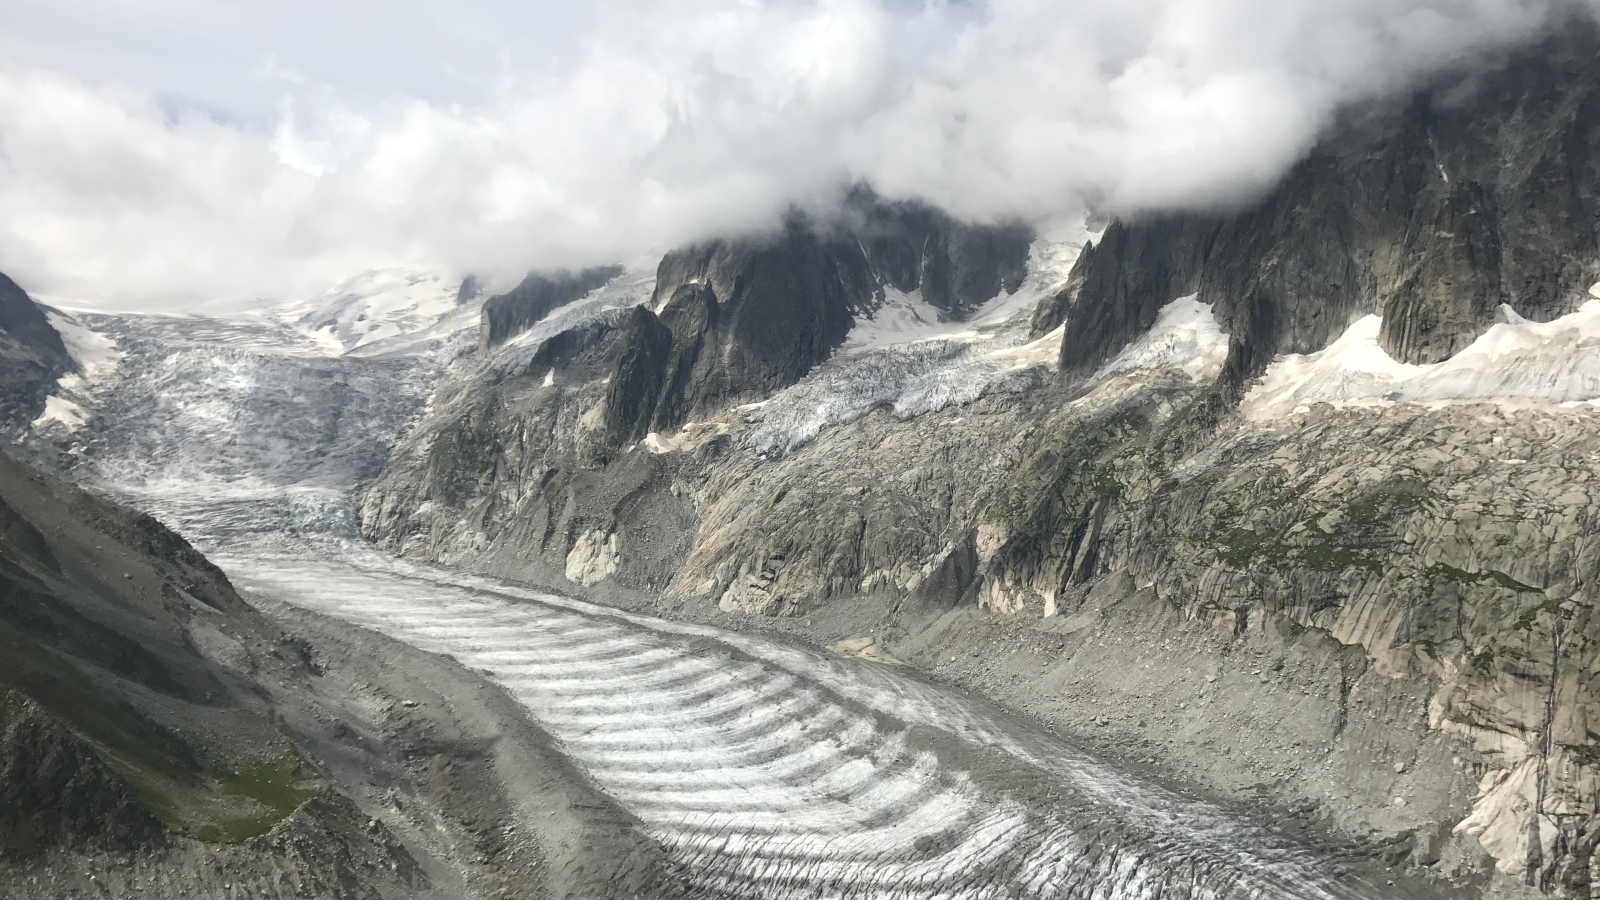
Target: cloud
{"points": [[512, 136]]}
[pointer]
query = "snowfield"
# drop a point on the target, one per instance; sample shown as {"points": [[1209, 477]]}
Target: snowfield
{"points": [[377, 306], [1186, 336], [96, 357]]}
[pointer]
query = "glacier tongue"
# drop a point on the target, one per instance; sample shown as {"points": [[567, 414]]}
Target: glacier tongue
{"points": [[770, 771]]}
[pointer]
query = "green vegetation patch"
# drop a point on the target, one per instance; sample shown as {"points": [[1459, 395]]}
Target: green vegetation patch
{"points": [[273, 784], [1391, 500], [235, 807], [1487, 576]]}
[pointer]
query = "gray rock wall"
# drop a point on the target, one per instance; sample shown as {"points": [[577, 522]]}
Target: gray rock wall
{"points": [[32, 358], [1479, 191], [504, 316]]}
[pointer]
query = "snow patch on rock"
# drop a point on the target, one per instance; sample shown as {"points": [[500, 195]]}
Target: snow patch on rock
{"points": [[691, 436], [900, 318], [1186, 336], [1555, 362], [96, 356]]}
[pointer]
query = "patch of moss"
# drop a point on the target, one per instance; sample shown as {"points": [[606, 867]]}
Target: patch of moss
{"points": [[1390, 500], [1239, 548], [1585, 754], [236, 807], [1487, 576], [272, 784], [1336, 558]]}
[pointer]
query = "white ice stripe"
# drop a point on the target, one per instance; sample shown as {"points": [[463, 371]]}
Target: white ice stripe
{"points": [[554, 634], [704, 699], [855, 782], [588, 682], [558, 653], [878, 855], [460, 609], [668, 677], [594, 712], [715, 727], [594, 725], [748, 751], [821, 817], [697, 691], [532, 659], [816, 727], [745, 741], [554, 670], [816, 757], [831, 848]]}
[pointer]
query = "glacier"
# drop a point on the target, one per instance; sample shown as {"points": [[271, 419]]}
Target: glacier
{"points": [[765, 769]]}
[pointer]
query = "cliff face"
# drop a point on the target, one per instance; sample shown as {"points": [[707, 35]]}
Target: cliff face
{"points": [[750, 317], [115, 628], [504, 316], [1480, 191], [32, 358], [1154, 534]]}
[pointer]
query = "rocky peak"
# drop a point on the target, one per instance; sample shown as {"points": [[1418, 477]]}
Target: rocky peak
{"points": [[1482, 190], [751, 316], [957, 266], [506, 315]]}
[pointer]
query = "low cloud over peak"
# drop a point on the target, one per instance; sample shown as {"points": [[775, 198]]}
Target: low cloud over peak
{"points": [[155, 163]]}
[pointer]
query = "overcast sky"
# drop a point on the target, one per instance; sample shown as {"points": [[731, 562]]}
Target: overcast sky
{"points": [[160, 153]]}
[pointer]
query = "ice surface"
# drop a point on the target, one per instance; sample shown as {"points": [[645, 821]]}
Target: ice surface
{"points": [[378, 305], [771, 770], [248, 419], [1556, 362]]}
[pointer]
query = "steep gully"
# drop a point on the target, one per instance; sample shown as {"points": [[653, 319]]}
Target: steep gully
{"points": [[764, 769]]}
